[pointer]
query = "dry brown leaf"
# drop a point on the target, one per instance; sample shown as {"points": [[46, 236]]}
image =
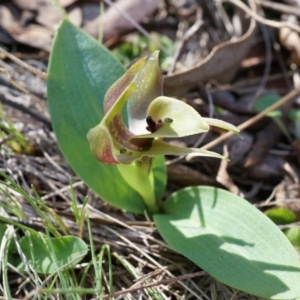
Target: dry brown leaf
{"points": [[218, 65], [5, 38], [115, 24], [75, 16], [27, 4], [36, 4], [268, 170], [291, 41], [265, 141], [48, 14], [66, 3], [32, 35]]}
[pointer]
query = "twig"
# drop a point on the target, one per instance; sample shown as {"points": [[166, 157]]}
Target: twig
{"points": [[254, 119], [262, 20], [23, 64], [267, 69], [286, 9]]}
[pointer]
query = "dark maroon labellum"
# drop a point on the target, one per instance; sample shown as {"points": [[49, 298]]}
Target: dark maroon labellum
{"points": [[151, 124]]}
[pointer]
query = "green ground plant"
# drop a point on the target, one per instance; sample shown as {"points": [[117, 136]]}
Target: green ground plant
{"points": [[126, 117], [11, 137]]}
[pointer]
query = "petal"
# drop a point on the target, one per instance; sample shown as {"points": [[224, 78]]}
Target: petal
{"points": [[173, 118], [161, 148], [149, 83], [109, 140], [222, 124], [120, 134], [107, 150], [118, 88], [101, 144]]}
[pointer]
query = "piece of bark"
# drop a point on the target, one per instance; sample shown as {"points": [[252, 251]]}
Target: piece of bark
{"points": [[35, 4], [48, 14], [186, 176], [26, 4]]}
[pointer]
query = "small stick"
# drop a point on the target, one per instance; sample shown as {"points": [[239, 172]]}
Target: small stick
{"points": [[254, 119], [23, 64], [262, 20], [283, 8]]}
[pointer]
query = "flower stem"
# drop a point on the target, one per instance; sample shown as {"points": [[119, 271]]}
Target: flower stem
{"points": [[144, 167], [140, 177]]}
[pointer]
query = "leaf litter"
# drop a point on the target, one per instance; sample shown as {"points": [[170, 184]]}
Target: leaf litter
{"points": [[233, 55]]}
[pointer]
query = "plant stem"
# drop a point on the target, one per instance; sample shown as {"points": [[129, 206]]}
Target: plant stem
{"points": [[140, 177], [144, 167]]}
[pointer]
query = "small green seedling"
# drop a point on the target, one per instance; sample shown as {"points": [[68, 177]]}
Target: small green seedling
{"points": [[11, 137], [293, 234], [281, 215], [266, 101], [137, 45]]}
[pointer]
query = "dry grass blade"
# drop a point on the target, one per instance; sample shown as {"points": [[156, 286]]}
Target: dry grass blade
{"points": [[26, 66], [163, 281]]}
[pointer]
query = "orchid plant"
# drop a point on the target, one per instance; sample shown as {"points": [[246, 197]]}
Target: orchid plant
{"points": [[152, 117], [220, 232]]}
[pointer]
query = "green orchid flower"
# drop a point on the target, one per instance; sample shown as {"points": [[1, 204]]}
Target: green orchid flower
{"points": [[151, 116]]}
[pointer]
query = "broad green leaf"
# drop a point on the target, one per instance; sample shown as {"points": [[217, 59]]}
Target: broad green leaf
{"points": [[47, 255], [232, 241], [80, 72], [294, 114], [281, 215], [3, 228]]}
